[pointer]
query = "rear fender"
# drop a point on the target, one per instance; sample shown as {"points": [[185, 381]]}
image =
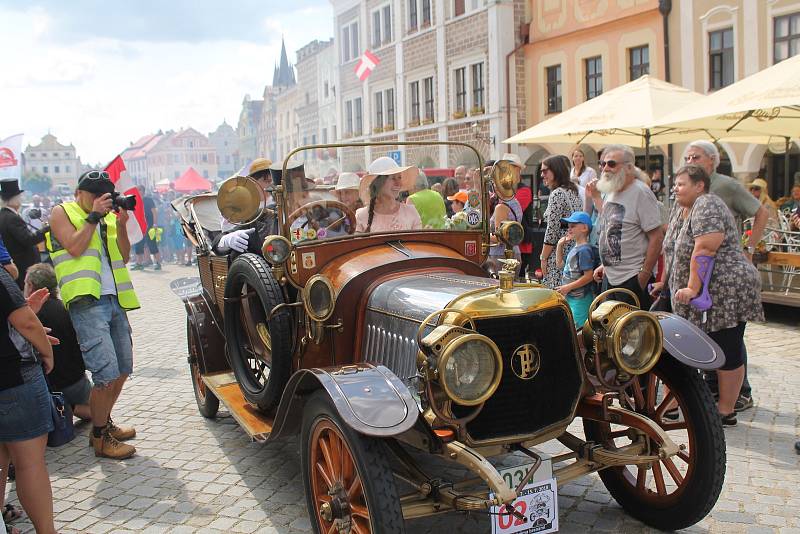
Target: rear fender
{"points": [[370, 399], [208, 329], [688, 344]]}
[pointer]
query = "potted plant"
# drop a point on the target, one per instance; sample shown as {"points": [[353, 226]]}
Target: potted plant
{"points": [[427, 121], [377, 130], [459, 114], [413, 122], [477, 110]]}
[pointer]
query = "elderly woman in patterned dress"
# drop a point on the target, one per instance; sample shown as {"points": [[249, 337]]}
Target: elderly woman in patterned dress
{"points": [[701, 225], [563, 200]]}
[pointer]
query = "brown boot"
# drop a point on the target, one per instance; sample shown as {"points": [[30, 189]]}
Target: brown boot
{"points": [[106, 446], [120, 433]]}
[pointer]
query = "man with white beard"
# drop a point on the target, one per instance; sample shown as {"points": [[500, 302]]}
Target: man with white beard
{"points": [[630, 221]]}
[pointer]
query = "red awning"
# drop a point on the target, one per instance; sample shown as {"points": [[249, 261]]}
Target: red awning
{"points": [[191, 181]]}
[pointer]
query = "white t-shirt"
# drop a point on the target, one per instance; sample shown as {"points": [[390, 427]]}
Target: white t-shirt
{"points": [[626, 218], [107, 284]]}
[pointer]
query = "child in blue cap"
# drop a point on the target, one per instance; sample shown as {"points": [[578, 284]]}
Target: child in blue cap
{"points": [[577, 284]]}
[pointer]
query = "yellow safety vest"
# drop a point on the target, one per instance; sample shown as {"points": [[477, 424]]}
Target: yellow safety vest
{"points": [[80, 276]]}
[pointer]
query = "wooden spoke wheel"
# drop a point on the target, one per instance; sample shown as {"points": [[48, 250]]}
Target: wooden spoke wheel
{"points": [[349, 485], [675, 492], [259, 350], [207, 402]]}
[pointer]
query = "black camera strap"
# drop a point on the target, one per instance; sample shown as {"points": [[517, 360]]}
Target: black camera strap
{"points": [[104, 240]]}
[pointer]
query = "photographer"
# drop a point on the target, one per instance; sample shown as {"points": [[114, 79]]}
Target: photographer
{"points": [[89, 246]]}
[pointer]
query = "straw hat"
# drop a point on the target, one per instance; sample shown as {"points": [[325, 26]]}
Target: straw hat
{"points": [[386, 166], [258, 165], [758, 182], [348, 180]]}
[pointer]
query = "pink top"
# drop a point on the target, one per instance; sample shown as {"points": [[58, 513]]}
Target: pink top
{"points": [[406, 218]]}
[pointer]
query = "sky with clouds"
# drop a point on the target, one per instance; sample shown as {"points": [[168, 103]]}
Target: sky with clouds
{"points": [[100, 74]]}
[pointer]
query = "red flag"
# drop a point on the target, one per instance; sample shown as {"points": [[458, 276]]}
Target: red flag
{"points": [[366, 64], [137, 225]]}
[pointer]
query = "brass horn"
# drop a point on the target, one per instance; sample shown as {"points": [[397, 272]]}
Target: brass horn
{"points": [[241, 200], [505, 177]]}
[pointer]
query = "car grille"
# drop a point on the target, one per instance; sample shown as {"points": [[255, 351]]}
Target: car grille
{"points": [[528, 406]]}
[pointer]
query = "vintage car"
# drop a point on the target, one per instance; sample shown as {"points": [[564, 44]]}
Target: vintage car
{"points": [[379, 348]]}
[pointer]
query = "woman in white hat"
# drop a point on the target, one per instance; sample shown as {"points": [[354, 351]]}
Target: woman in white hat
{"points": [[347, 190], [380, 191]]}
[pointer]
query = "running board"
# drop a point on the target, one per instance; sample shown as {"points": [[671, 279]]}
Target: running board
{"points": [[224, 386]]}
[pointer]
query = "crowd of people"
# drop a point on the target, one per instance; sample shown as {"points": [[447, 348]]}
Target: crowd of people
{"points": [[65, 289]]}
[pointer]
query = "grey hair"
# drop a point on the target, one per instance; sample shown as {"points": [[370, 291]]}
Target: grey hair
{"points": [[42, 275], [628, 155], [708, 147], [422, 182]]}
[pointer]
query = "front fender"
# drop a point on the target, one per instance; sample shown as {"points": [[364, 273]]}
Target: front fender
{"points": [[370, 399], [688, 344]]}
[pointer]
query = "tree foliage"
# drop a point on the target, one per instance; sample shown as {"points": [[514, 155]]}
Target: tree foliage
{"points": [[36, 183]]}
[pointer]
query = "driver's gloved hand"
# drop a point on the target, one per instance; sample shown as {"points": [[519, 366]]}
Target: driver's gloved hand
{"points": [[236, 240]]}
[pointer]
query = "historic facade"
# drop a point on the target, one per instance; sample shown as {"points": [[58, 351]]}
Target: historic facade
{"points": [[135, 158], [50, 158], [175, 152], [249, 128], [226, 144], [442, 75]]}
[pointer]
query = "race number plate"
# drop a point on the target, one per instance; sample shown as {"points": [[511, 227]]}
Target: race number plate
{"points": [[538, 502]]}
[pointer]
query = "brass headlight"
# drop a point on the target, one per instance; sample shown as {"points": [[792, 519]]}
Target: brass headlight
{"points": [[635, 342], [276, 249], [510, 233], [470, 369], [319, 298]]}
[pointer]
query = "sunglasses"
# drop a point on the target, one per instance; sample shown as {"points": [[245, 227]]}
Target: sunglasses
{"points": [[544, 170], [755, 188], [96, 175], [611, 164], [692, 157]]}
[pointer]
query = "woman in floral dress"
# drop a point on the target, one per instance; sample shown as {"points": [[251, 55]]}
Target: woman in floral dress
{"points": [[563, 200], [702, 225]]}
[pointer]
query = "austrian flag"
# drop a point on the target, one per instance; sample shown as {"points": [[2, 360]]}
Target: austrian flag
{"points": [[366, 64]]}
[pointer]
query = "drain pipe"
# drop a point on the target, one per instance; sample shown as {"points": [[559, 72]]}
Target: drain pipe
{"points": [[665, 7], [524, 33]]}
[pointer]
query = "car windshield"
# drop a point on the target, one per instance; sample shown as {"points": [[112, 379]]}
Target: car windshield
{"points": [[323, 201]]}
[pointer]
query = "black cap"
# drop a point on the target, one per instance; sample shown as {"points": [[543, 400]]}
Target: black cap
{"points": [[98, 185]]}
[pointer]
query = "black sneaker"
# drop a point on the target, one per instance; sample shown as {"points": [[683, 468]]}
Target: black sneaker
{"points": [[743, 403], [728, 420]]}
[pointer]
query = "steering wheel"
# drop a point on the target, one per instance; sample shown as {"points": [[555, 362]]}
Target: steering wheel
{"points": [[347, 210]]}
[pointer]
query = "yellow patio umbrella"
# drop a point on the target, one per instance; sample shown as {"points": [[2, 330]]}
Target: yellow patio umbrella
{"points": [[631, 114]]}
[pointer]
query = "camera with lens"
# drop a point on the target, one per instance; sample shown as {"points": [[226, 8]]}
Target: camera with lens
{"points": [[120, 201]]}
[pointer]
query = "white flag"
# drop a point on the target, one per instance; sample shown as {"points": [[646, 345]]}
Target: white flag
{"points": [[11, 158]]}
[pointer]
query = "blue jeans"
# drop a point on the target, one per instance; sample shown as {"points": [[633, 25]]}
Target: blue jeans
{"points": [[104, 335], [25, 409]]}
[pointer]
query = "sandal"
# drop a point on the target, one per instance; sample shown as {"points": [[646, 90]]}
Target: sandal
{"points": [[11, 513]]}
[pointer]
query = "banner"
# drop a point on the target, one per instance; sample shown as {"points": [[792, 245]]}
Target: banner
{"points": [[11, 158], [124, 185], [366, 64]]}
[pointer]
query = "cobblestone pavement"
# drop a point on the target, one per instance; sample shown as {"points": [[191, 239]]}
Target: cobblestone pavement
{"points": [[198, 475]]}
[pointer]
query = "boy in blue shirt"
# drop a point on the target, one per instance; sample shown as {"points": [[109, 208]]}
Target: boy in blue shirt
{"points": [[576, 282]]}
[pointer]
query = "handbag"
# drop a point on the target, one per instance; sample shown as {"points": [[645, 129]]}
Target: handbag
{"points": [[63, 430]]}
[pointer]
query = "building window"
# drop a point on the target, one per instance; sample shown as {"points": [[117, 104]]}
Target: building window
{"points": [[594, 77], [324, 136], [325, 90], [382, 26], [412, 15], [205, 173], [177, 174], [32, 155], [67, 169], [414, 102], [389, 101], [786, 37], [554, 89], [477, 86], [45, 169], [348, 114], [639, 61], [358, 118], [379, 110], [428, 85], [426, 13], [458, 7], [461, 90], [350, 48], [419, 14], [205, 158], [57, 169], [720, 58]]}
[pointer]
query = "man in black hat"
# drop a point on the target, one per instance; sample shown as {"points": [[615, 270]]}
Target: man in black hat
{"points": [[19, 240]]}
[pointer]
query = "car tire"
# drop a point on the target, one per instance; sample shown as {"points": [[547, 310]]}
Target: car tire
{"points": [[261, 381], [364, 466], [681, 504], [207, 402]]}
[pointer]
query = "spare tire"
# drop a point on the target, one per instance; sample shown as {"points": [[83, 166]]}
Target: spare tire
{"points": [[260, 351]]}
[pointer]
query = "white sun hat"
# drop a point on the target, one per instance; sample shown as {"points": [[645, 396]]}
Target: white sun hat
{"points": [[513, 159], [347, 180], [386, 166]]}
